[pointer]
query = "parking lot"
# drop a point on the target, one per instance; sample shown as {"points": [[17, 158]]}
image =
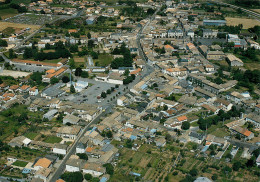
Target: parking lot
{"points": [[32, 19]]}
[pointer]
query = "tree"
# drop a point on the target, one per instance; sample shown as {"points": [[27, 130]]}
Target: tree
{"points": [[236, 166], [165, 107], [2, 59], [78, 71], [95, 179], [3, 43], [54, 80], [84, 74], [65, 79], [214, 177], [88, 176], [89, 35], [90, 44], [103, 95], [126, 73], [194, 172], [109, 168], [72, 89], [185, 125], [12, 54], [72, 177], [108, 91], [83, 156]]}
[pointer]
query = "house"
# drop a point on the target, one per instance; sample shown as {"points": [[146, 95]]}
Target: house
{"points": [[182, 118], [197, 137], [74, 165], [95, 169], [243, 132], [71, 119], [95, 137], [160, 141], [33, 91], [43, 173], [60, 149], [42, 163], [224, 104], [70, 132], [234, 61], [19, 141], [81, 148], [50, 114]]}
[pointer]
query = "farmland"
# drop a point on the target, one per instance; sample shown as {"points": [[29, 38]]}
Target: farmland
{"points": [[247, 23]]}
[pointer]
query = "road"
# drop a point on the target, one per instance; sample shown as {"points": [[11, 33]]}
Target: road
{"points": [[72, 150]]}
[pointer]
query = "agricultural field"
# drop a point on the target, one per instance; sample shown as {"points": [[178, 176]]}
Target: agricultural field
{"points": [[256, 10], [247, 23]]}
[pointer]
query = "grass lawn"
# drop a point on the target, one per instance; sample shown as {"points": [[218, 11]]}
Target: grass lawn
{"points": [[31, 135], [20, 163], [6, 13], [52, 139], [52, 61], [103, 60]]}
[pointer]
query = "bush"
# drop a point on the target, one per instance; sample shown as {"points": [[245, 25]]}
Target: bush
{"points": [[88, 176]]}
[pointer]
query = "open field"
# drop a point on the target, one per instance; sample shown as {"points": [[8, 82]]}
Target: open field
{"points": [[4, 25], [6, 13], [247, 23], [256, 10], [52, 139], [103, 60], [14, 74], [31, 135]]}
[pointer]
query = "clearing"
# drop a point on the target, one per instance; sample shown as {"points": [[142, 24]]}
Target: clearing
{"points": [[52, 139], [4, 25], [247, 23], [7, 13], [15, 74]]}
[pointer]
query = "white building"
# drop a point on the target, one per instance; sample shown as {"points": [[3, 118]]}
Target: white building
{"points": [[60, 149], [74, 165], [95, 169]]}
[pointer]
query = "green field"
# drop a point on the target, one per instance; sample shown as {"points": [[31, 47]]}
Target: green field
{"points": [[31, 135], [52, 139], [6, 13], [103, 60], [20, 163]]}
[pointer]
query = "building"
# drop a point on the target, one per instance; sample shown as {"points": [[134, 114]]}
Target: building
{"points": [[71, 119], [74, 165], [234, 61], [50, 114], [43, 174], [42, 163], [214, 22], [215, 55], [33, 91], [197, 137], [70, 132], [19, 141], [95, 169], [60, 149], [208, 33]]}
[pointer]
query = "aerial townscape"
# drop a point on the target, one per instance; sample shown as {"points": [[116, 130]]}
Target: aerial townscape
{"points": [[130, 90]]}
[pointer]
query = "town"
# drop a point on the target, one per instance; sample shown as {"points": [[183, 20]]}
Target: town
{"points": [[129, 90]]}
